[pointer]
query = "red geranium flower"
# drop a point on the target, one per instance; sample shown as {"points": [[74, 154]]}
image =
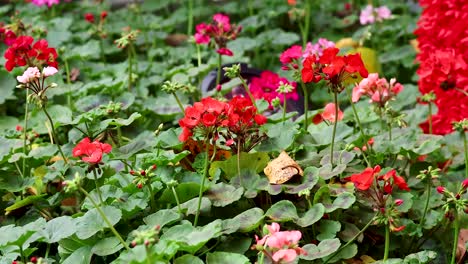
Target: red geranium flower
{"points": [[91, 152], [364, 180]]}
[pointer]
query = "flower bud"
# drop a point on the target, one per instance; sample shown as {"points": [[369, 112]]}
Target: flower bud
{"points": [[465, 184], [440, 189], [103, 14], [457, 196], [140, 185], [132, 172], [134, 243], [143, 172], [147, 243], [154, 167], [398, 202], [218, 87], [33, 259]]}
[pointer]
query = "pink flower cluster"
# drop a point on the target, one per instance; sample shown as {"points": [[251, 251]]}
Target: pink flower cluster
{"points": [[281, 246], [290, 57], [220, 30], [32, 74], [370, 14], [49, 3], [378, 89], [265, 87], [443, 57]]}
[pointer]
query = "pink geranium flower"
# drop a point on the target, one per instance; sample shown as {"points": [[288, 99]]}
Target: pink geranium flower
{"points": [[369, 15], [329, 113], [265, 87], [378, 89]]}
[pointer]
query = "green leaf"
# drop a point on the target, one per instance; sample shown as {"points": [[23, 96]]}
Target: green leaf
{"points": [[323, 249], [7, 86], [25, 202], [58, 229], [249, 220], [249, 161], [280, 136], [314, 214], [321, 133], [328, 229], [225, 257], [282, 211], [310, 179], [422, 257], [91, 222], [397, 54], [191, 239], [346, 253], [107, 246], [185, 191], [191, 206], [143, 141], [342, 201], [119, 122], [81, 256], [223, 194], [162, 218], [188, 259]]}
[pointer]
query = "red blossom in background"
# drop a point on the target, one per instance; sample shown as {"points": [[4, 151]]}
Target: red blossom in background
{"points": [[331, 67], [91, 152], [22, 52], [220, 30], [89, 17], [7, 36], [443, 58]]}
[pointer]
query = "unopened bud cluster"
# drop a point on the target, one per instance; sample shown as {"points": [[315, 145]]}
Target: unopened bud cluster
{"points": [[141, 176], [146, 237]]}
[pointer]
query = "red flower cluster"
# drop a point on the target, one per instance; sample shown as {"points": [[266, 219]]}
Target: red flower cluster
{"points": [[443, 57], [23, 52], [332, 68], [91, 152], [365, 179], [221, 30], [265, 87], [210, 114], [90, 17], [7, 36]]}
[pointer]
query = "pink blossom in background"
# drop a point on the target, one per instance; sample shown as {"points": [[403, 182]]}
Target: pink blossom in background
{"points": [[329, 113], [225, 51], [378, 89], [265, 87], [29, 75], [49, 3], [49, 71], [318, 47], [370, 14]]}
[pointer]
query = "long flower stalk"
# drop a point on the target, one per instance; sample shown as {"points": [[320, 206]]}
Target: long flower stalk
{"points": [[54, 135], [350, 241], [98, 190], [456, 232], [25, 128], [387, 241], [335, 99], [104, 217], [202, 184]]}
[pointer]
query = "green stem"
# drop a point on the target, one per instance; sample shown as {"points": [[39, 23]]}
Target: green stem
{"points": [[250, 6], [202, 184], [198, 55], [247, 90], [47, 251], [350, 241], [387, 241], [218, 76], [335, 99], [465, 146], [179, 103], [305, 33], [25, 128], [177, 199], [358, 121], [426, 207], [101, 46], [97, 186], [152, 201], [190, 18], [306, 105], [284, 108], [67, 72], [390, 131], [148, 255], [430, 117], [238, 162], [129, 67], [54, 135], [456, 232], [104, 217]]}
